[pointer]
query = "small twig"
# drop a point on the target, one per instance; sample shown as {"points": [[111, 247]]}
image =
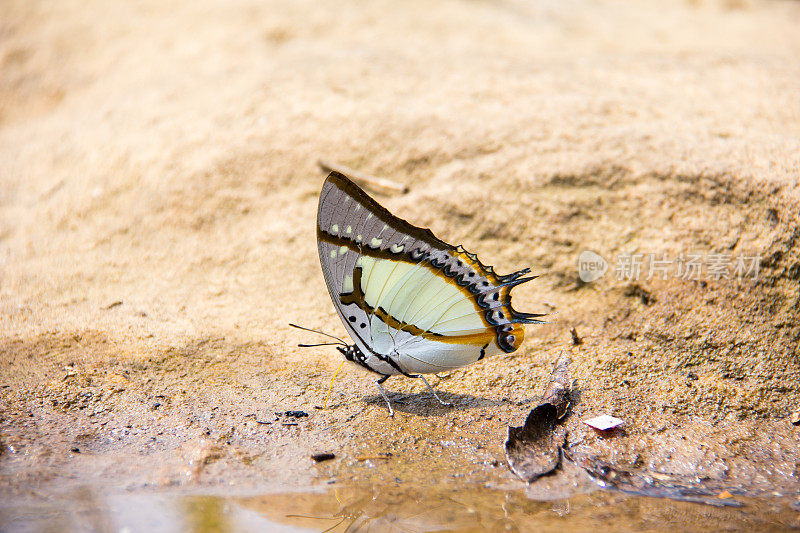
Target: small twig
{"points": [[374, 457], [381, 184], [51, 191], [576, 340]]}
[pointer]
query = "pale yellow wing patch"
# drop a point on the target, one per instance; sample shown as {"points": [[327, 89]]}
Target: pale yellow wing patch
{"points": [[416, 295]]}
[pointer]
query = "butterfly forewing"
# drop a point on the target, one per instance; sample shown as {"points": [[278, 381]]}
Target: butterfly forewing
{"points": [[411, 301]]}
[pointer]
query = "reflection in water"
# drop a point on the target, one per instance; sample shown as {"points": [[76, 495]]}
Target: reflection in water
{"points": [[450, 508], [82, 510], [383, 508], [205, 514], [386, 509]]}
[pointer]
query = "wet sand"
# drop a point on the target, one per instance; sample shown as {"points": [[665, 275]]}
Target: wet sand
{"points": [[158, 188]]}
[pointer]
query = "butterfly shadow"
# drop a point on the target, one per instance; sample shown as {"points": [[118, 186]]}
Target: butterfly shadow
{"points": [[424, 404]]}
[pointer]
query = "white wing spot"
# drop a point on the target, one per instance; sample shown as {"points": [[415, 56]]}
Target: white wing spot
{"points": [[342, 250], [335, 228], [396, 248], [333, 254], [375, 242], [348, 230]]}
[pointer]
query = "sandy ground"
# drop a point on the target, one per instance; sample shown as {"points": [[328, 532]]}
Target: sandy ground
{"points": [[158, 188]]}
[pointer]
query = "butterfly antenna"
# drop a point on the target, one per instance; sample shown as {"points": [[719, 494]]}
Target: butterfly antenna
{"points": [[321, 333], [320, 344], [330, 387]]}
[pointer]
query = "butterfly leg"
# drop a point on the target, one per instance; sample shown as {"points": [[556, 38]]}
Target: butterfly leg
{"points": [[383, 393], [448, 404]]}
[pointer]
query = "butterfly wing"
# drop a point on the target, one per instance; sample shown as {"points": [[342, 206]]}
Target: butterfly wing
{"points": [[415, 303]]}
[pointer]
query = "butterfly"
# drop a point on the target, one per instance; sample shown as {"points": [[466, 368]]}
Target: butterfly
{"points": [[412, 303]]}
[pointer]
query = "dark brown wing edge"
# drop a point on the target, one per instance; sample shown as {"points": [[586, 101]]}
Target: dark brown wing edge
{"points": [[423, 234]]}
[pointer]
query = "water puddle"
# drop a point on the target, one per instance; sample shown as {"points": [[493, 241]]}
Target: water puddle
{"points": [[383, 508]]}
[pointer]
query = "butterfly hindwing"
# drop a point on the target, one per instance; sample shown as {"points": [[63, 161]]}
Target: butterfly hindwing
{"points": [[412, 302]]}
